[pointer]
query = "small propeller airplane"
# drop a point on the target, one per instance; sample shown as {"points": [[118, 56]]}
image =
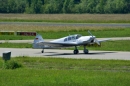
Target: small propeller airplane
{"points": [[68, 41]]}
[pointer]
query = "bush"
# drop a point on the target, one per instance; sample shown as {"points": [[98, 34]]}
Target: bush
{"points": [[12, 65]]}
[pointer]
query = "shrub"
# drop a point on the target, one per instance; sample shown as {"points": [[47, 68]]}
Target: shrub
{"points": [[12, 65]]}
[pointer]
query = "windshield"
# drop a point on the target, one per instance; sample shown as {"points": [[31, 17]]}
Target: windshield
{"points": [[78, 36]]}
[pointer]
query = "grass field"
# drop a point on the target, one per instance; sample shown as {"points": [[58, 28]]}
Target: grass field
{"points": [[70, 18], [109, 46], [61, 32], [66, 72], [20, 27]]}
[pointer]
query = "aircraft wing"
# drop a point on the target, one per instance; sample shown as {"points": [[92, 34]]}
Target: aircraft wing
{"points": [[104, 40], [54, 44]]}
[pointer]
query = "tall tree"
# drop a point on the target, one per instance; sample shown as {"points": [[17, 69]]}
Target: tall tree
{"points": [[68, 6], [3, 6], [11, 6], [34, 6], [20, 6], [100, 6]]}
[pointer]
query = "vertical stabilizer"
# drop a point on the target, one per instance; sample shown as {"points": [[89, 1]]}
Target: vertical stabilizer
{"points": [[37, 40]]}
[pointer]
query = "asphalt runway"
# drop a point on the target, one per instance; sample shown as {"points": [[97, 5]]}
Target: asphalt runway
{"points": [[67, 24], [58, 53]]}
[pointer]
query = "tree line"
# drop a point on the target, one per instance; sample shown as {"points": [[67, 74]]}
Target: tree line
{"points": [[64, 6]]}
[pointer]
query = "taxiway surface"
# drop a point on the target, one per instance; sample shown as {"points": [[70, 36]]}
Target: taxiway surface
{"points": [[58, 53], [67, 24]]}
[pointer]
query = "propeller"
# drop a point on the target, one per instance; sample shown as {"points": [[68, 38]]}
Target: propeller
{"points": [[94, 38], [97, 41], [90, 33]]}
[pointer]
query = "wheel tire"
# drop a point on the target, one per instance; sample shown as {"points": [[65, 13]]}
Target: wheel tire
{"points": [[76, 51], [86, 51], [42, 51]]}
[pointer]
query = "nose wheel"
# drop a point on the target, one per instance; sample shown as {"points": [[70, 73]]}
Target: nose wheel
{"points": [[42, 51]]}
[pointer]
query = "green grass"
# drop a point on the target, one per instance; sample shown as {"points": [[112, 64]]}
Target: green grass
{"points": [[13, 37], [66, 21], [71, 64], [66, 72], [108, 46], [97, 33], [31, 77], [58, 34], [15, 45]]}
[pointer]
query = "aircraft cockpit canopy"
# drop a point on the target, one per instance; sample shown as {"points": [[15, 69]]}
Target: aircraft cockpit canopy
{"points": [[78, 36], [72, 37]]}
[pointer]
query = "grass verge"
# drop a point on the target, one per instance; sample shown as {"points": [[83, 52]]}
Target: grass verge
{"points": [[70, 72], [54, 34]]}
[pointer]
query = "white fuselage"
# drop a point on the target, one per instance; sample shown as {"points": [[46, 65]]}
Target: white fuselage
{"points": [[79, 40]]}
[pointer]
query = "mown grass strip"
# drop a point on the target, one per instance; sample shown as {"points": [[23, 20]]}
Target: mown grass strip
{"points": [[70, 72], [39, 27], [15, 45], [69, 18], [32, 77], [55, 34], [73, 64], [66, 21]]}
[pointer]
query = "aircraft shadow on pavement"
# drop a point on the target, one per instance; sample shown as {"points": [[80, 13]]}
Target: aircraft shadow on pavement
{"points": [[45, 52], [94, 53]]}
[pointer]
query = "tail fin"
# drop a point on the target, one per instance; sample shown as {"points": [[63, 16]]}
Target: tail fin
{"points": [[37, 39]]}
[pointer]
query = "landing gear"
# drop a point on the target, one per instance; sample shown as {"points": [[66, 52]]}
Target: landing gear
{"points": [[85, 50], [76, 51], [42, 51]]}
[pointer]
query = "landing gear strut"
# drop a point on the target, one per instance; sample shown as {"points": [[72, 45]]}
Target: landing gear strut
{"points": [[76, 51], [85, 50]]}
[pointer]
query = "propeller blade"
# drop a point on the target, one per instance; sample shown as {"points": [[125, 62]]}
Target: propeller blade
{"points": [[94, 38], [97, 41], [90, 33]]}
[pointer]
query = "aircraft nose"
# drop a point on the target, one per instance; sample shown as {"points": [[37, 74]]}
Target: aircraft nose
{"points": [[93, 37]]}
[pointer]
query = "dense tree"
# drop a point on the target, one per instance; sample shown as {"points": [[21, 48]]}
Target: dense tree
{"points": [[54, 6], [65, 6], [11, 7], [100, 6], [3, 6], [34, 6], [20, 6]]}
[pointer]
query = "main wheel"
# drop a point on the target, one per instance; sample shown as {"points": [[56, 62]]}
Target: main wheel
{"points": [[86, 51], [76, 51]]}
